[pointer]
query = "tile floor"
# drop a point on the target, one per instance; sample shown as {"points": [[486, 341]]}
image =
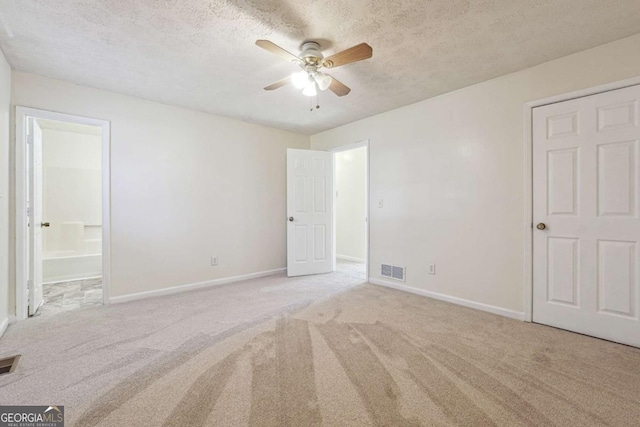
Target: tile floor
{"points": [[64, 296]]}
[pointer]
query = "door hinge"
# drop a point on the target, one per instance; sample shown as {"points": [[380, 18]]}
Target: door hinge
{"points": [[29, 210], [29, 290], [29, 139]]}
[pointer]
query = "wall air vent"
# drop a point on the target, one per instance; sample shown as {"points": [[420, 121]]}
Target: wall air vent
{"points": [[386, 270], [392, 271]]}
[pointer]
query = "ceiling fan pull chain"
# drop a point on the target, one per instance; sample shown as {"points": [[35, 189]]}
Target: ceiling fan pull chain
{"points": [[317, 103]]}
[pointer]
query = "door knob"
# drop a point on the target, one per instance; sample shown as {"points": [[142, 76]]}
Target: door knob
{"points": [[291, 218], [541, 226], [45, 224]]}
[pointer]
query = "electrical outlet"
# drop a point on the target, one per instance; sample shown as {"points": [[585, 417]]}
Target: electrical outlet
{"points": [[432, 269], [214, 261]]}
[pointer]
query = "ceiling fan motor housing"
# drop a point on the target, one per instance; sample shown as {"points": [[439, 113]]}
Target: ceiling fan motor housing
{"points": [[311, 53]]}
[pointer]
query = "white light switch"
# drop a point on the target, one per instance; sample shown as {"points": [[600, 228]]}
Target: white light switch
{"points": [[381, 203]]}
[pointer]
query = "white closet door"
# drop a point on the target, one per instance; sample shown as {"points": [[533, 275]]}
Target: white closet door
{"points": [[586, 215]]}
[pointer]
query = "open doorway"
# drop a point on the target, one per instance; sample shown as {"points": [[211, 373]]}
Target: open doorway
{"points": [[351, 209], [62, 212]]}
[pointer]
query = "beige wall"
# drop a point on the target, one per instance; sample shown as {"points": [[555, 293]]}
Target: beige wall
{"points": [[184, 186], [187, 185], [5, 101], [451, 173], [350, 204]]}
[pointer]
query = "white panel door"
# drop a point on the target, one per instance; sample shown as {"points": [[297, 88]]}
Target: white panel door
{"points": [[309, 212], [586, 190], [35, 216]]}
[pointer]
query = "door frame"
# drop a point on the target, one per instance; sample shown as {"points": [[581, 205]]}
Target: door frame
{"points": [[21, 170], [334, 151], [528, 175]]}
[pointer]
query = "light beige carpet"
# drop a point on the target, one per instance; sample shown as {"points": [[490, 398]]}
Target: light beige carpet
{"points": [[321, 350]]}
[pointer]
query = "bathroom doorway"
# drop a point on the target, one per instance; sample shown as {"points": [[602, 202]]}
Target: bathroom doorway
{"points": [[65, 196], [351, 209]]}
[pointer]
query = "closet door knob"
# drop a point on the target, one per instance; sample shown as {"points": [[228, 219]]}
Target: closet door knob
{"points": [[45, 224], [291, 218], [541, 226]]}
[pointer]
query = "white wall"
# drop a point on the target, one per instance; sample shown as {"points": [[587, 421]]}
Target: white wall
{"points": [[72, 192], [185, 186], [5, 103], [451, 173], [350, 204]]}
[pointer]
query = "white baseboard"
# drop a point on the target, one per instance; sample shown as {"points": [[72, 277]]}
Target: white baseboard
{"points": [[192, 286], [454, 300], [4, 324], [351, 258], [98, 276]]}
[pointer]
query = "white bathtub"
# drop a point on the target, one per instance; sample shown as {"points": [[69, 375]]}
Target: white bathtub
{"points": [[60, 268]]}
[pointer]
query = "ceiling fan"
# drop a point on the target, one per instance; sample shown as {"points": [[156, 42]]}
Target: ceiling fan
{"points": [[311, 61]]}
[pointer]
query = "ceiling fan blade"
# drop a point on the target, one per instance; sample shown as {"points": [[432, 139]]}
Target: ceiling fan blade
{"points": [[338, 88], [277, 50], [278, 84], [353, 54]]}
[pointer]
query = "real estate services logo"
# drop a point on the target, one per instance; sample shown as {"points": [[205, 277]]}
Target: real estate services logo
{"points": [[32, 416]]}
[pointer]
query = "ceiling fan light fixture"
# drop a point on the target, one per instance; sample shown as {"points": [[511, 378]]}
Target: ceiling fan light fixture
{"points": [[310, 60], [323, 80], [310, 89], [300, 79]]}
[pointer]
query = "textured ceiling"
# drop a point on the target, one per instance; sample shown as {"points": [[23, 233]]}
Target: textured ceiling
{"points": [[201, 54]]}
